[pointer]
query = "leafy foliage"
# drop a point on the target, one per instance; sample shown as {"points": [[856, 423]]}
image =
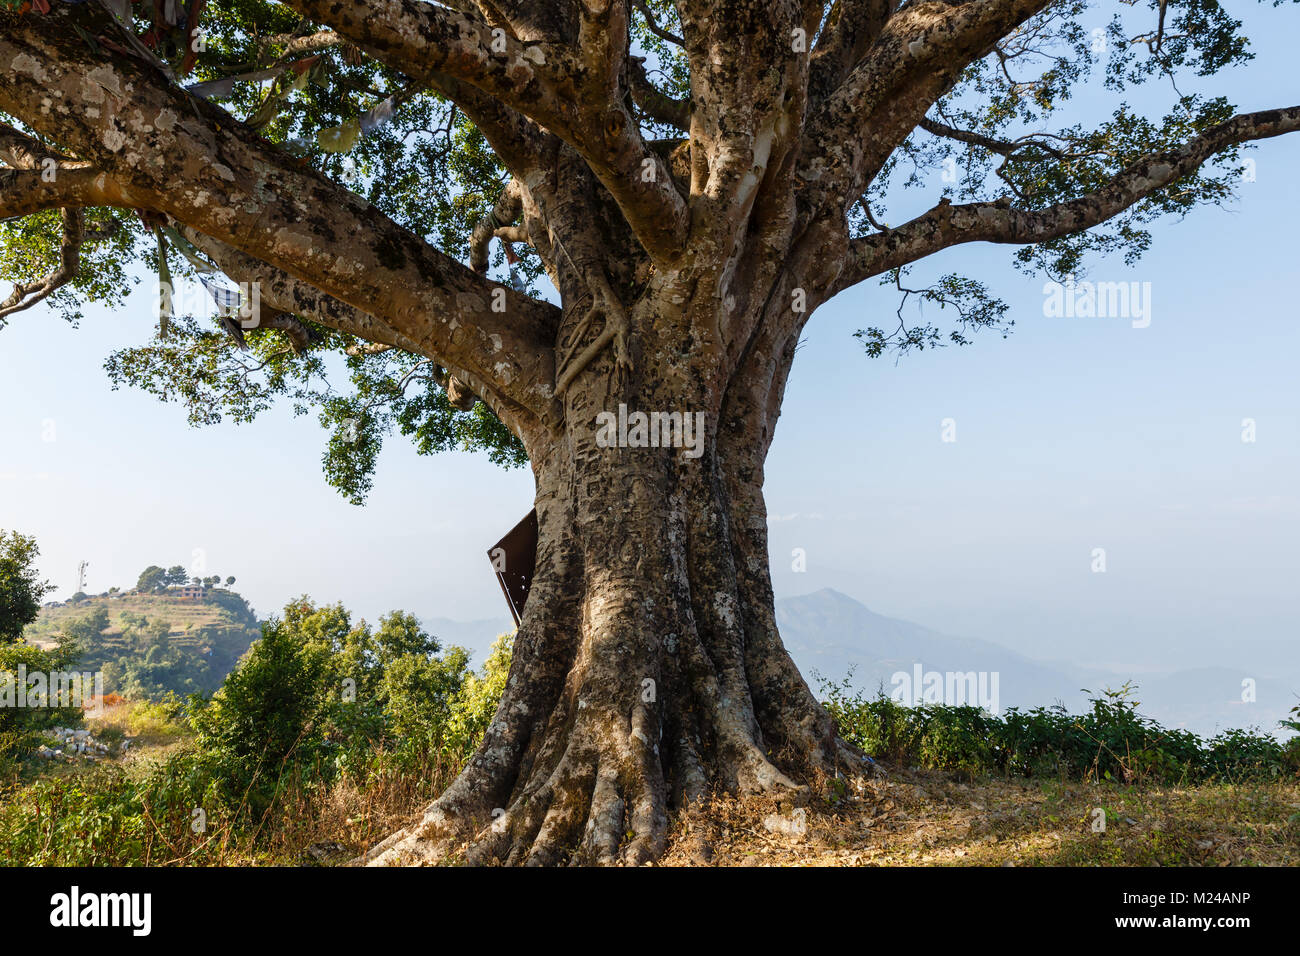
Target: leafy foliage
{"points": [[420, 160], [976, 309], [22, 728], [428, 167], [317, 695], [29, 248], [1013, 110], [1110, 742], [318, 703], [21, 589]]}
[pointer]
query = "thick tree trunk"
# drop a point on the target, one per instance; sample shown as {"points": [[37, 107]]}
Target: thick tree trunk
{"points": [[648, 670]]}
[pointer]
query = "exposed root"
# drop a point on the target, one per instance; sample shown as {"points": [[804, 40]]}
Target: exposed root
{"points": [[588, 811], [669, 698]]}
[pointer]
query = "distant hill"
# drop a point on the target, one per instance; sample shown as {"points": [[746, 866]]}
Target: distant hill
{"points": [[829, 633], [180, 640]]}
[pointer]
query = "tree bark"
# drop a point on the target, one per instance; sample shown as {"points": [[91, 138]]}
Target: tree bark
{"points": [[648, 670]]}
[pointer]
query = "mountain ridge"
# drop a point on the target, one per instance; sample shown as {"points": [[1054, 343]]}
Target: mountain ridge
{"points": [[831, 635]]}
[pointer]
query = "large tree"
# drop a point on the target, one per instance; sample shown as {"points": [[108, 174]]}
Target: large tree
{"points": [[682, 184]]}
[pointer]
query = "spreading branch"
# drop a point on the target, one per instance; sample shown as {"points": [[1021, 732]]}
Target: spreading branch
{"points": [[570, 90], [851, 27], [948, 225], [283, 298], [918, 56], [26, 295], [127, 119], [652, 102]]}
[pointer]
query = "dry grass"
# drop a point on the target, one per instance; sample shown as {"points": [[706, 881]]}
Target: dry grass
{"points": [[910, 818], [927, 818], [334, 824]]}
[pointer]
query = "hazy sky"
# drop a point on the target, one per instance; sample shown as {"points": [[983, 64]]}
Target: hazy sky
{"points": [[1073, 434]]}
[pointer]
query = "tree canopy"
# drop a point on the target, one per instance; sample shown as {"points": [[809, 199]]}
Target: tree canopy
{"points": [[414, 124]]}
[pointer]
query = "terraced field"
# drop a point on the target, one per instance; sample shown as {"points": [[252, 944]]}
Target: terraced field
{"points": [[216, 629]]}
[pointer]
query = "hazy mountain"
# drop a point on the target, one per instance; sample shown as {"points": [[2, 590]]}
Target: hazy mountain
{"points": [[829, 634], [1206, 699]]}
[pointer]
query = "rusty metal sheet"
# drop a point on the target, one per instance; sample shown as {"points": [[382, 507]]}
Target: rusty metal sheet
{"points": [[514, 559]]}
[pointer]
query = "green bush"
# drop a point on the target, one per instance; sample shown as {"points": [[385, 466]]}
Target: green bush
{"points": [[23, 728], [1111, 741], [315, 700], [106, 817], [270, 712]]}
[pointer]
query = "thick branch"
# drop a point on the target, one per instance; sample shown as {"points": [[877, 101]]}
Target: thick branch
{"points": [[653, 103], [282, 297], [571, 93], [193, 162], [849, 32], [918, 56], [948, 225], [20, 151], [27, 191], [748, 82]]}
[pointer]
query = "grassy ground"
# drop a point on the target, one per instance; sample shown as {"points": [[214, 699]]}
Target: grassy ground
{"points": [[909, 818], [930, 818]]}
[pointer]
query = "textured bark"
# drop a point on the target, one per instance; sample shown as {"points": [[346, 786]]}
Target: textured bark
{"points": [[648, 668]]}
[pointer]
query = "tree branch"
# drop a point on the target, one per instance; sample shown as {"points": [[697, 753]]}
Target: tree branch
{"points": [[948, 225], [27, 191], [127, 119], [287, 297], [851, 28], [919, 54], [26, 295], [665, 109], [570, 91], [653, 26]]}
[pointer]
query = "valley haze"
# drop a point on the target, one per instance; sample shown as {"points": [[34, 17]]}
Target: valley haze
{"points": [[832, 637]]}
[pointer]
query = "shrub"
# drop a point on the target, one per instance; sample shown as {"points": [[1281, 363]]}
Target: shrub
{"points": [[1111, 741], [23, 728]]}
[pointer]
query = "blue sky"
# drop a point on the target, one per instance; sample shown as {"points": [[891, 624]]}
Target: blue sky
{"points": [[1072, 434]]}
